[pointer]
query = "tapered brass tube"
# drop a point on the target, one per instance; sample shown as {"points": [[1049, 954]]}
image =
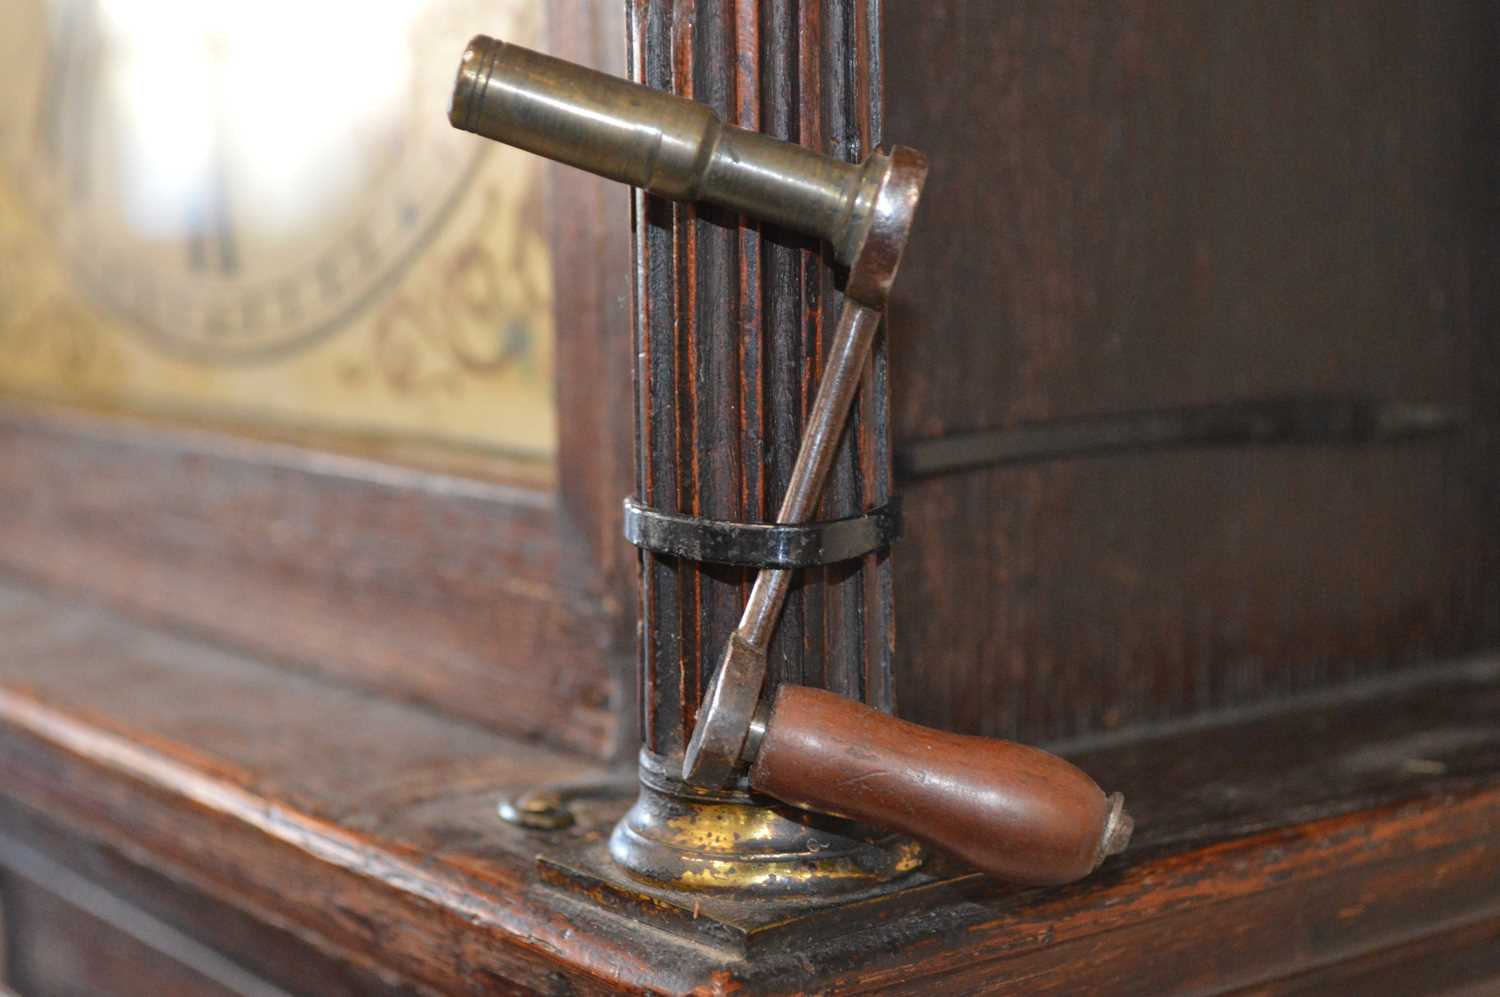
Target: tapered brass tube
{"points": [[667, 144]]}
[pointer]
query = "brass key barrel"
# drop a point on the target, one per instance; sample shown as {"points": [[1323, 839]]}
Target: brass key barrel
{"points": [[663, 143]]}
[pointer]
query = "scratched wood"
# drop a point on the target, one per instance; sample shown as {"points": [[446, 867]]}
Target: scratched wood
{"points": [[360, 841]]}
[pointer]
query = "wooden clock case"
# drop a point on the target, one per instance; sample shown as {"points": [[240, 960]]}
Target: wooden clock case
{"points": [[258, 702]]}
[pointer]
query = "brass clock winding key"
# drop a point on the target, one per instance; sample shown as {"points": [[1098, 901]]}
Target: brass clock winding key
{"points": [[1016, 812]]}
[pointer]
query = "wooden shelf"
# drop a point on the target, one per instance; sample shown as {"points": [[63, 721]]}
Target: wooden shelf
{"points": [[263, 810]]}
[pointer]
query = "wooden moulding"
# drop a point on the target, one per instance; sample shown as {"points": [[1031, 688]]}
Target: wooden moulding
{"points": [[1276, 850], [437, 589]]}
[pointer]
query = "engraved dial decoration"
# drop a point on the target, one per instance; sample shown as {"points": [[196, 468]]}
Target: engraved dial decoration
{"points": [[255, 210]]}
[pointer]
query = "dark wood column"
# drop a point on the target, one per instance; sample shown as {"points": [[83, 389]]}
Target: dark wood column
{"points": [[732, 320]]}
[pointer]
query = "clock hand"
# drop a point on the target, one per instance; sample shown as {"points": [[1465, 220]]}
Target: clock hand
{"points": [[213, 235]]}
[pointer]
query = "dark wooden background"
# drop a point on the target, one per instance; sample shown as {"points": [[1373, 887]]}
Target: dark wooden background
{"points": [[1132, 205], [1140, 204]]}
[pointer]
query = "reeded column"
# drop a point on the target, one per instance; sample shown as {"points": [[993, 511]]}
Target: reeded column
{"points": [[732, 320]]}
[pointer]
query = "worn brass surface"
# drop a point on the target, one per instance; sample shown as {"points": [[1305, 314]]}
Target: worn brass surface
{"points": [[684, 837], [668, 145], [192, 231]]}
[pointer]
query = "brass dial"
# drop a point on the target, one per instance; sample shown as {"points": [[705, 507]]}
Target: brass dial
{"points": [[270, 186], [186, 151]]}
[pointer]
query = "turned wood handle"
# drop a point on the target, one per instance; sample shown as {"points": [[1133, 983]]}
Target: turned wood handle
{"points": [[1017, 813]]}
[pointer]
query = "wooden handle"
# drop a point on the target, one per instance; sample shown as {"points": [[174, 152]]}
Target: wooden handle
{"points": [[1017, 813]]}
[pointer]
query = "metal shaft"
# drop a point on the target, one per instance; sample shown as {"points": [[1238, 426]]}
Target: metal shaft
{"points": [[666, 144], [726, 734], [725, 731], [820, 442]]}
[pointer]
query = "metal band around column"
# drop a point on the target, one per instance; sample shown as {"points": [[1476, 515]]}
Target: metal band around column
{"points": [[762, 545]]}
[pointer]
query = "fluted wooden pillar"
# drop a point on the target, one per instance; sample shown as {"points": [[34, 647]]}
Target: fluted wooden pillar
{"points": [[733, 319]]}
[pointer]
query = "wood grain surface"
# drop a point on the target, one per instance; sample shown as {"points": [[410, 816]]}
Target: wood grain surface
{"points": [[285, 811], [1141, 205]]}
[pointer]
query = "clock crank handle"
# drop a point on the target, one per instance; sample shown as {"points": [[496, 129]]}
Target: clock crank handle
{"points": [[1015, 812]]}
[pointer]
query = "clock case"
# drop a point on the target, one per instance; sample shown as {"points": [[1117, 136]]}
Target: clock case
{"points": [[262, 700]]}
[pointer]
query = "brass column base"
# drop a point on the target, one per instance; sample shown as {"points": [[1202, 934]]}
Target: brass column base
{"points": [[684, 837]]}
